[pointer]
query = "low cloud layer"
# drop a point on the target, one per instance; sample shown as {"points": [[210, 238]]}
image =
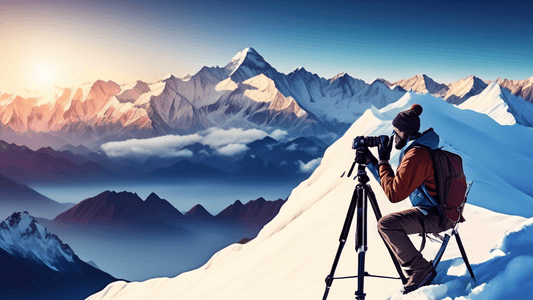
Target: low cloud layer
{"points": [[229, 142]]}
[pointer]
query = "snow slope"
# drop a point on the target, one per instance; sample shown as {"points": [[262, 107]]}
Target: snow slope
{"points": [[293, 253], [502, 106]]}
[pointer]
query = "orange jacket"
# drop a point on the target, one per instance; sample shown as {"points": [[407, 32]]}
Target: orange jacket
{"points": [[415, 169]]}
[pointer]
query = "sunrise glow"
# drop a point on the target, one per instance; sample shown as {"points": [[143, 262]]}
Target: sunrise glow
{"points": [[44, 74]]}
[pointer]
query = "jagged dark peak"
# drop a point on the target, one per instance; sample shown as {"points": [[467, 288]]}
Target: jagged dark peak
{"points": [[16, 217], [112, 196], [12, 146], [198, 211], [142, 86], [46, 150], [153, 197], [267, 140], [384, 81]]}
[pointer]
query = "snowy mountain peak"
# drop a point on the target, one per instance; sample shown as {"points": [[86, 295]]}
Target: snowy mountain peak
{"points": [[463, 89], [501, 105], [248, 58], [384, 81], [21, 235], [422, 84]]}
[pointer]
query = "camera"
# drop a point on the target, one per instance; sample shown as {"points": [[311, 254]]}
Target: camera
{"points": [[367, 141]]}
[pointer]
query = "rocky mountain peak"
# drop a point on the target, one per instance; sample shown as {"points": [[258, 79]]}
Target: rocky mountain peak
{"points": [[21, 235], [422, 84], [249, 58], [246, 64]]}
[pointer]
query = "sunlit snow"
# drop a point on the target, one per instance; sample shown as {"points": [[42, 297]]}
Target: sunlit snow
{"points": [[293, 253]]}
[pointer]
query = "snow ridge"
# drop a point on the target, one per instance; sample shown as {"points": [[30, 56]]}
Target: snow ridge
{"points": [[501, 105], [21, 235]]}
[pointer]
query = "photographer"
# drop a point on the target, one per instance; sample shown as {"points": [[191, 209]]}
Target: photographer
{"points": [[414, 178]]}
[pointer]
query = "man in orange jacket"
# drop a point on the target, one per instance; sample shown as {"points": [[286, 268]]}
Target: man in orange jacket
{"points": [[414, 179]]}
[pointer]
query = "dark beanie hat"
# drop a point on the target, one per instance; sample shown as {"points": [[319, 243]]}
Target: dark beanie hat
{"points": [[408, 120]]}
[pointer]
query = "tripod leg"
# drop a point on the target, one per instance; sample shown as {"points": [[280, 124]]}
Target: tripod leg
{"points": [[463, 254], [342, 241], [377, 212], [361, 239]]}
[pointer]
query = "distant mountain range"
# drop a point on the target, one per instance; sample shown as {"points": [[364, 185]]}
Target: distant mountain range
{"points": [[455, 93], [18, 197], [36, 264], [122, 208], [114, 229], [47, 165], [128, 209], [460, 91], [247, 93]]}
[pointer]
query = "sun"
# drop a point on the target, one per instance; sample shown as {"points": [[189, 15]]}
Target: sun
{"points": [[44, 74]]}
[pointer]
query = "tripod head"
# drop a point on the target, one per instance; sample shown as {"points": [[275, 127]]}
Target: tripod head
{"points": [[362, 158]]}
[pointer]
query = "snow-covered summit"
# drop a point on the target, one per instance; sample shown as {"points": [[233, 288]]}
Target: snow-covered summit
{"points": [[501, 105], [247, 61], [21, 235], [422, 84], [463, 89]]}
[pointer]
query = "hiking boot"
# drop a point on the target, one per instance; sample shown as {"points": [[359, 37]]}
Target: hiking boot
{"points": [[419, 279]]}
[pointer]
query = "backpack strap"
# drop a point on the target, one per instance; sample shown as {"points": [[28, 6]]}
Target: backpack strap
{"points": [[424, 231], [431, 199]]}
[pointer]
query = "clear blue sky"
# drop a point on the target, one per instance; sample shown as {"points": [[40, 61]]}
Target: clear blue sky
{"points": [[80, 41]]}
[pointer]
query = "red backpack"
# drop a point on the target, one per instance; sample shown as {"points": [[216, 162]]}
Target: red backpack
{"points": [[451, 183]]}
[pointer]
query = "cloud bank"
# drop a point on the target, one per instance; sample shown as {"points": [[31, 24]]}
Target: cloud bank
{"points": [[227, 143]]}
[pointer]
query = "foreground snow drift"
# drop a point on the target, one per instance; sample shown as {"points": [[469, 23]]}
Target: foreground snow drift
{"points": [[294, 252]]}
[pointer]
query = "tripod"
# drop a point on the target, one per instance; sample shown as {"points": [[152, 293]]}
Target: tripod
{"points": [[362, 194]]}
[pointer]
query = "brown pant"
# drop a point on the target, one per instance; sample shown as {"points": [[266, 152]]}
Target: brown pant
{"points": [[395, 227]]}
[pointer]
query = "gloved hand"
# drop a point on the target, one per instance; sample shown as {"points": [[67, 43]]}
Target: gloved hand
{"points": [[384, 147], [365, 156]]}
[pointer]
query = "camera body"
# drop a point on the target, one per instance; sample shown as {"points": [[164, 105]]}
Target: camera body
{"points": [[367, 141]]}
